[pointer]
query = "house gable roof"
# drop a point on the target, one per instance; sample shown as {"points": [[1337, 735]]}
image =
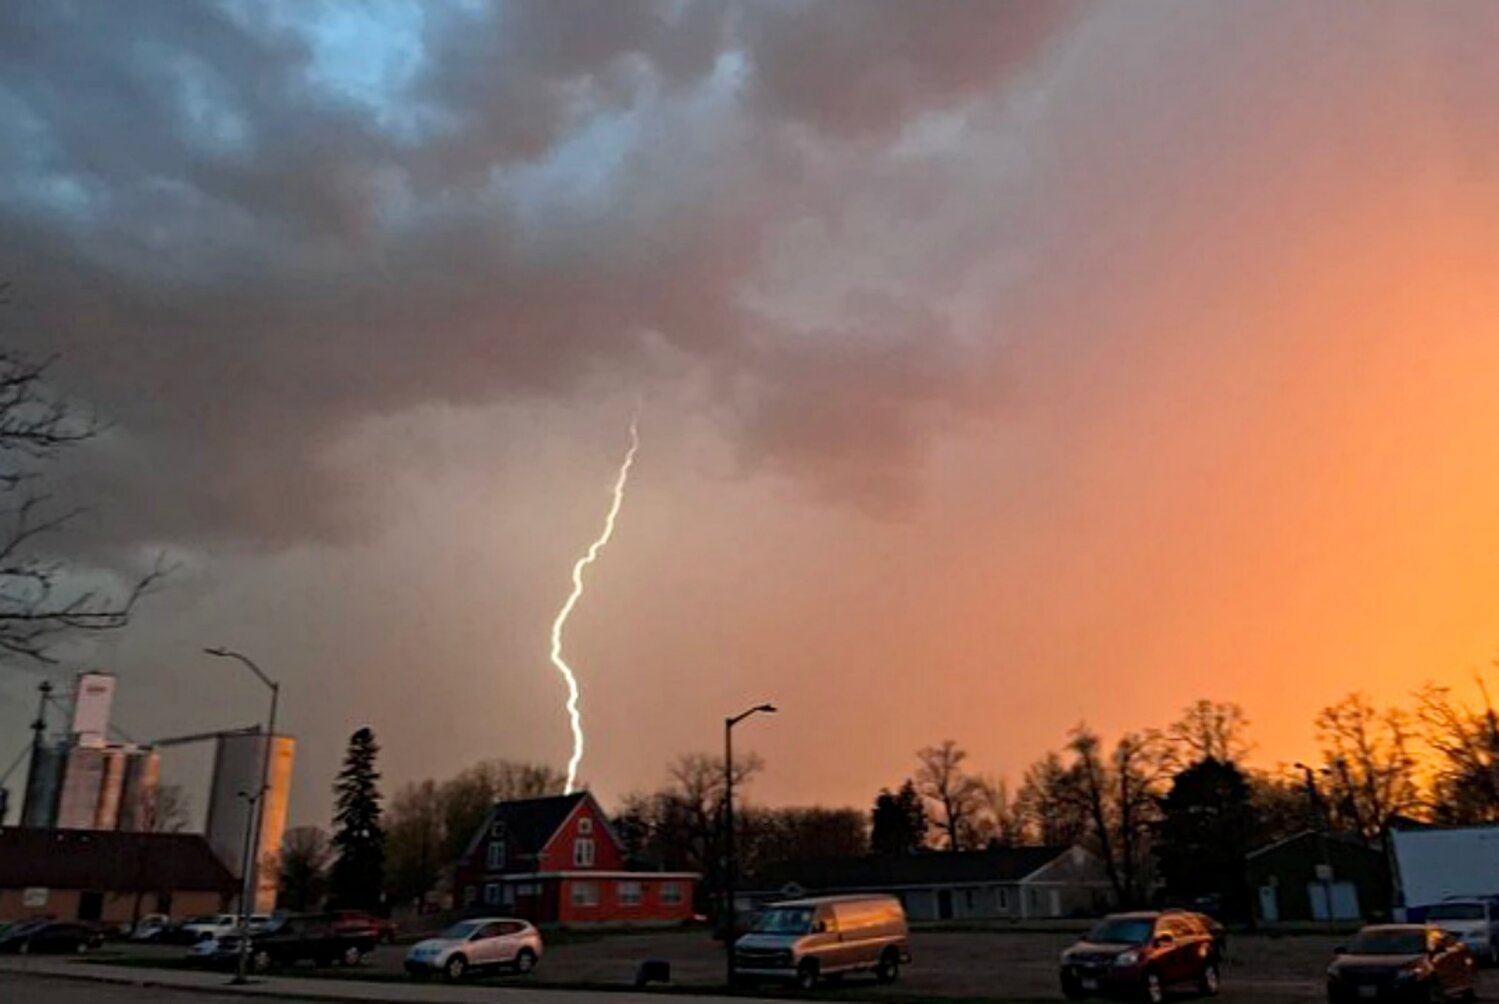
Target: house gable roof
{"points": [[531, 823], [110, 860], [935, 868]]}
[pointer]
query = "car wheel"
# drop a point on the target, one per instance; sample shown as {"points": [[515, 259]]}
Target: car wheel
{"points": [[455, 968], [525, 960], [888, 971], [806, 975], [1155, 990], [1208, 983], [260, 961], [352, 956]]}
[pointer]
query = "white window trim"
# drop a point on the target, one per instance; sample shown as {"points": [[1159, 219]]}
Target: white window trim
{"points": [[582, 859], [495, 855], [578, 888], [672, 894], [636, 890], [585, 826]]}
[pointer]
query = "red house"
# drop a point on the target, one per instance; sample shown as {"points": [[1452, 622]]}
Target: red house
{"points": [[557, 860]]}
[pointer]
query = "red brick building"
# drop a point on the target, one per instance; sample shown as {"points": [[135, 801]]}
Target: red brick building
{"points": [[557, 860]]}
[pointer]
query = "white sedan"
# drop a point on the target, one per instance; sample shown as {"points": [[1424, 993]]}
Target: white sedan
{"points": [[481, 943]]}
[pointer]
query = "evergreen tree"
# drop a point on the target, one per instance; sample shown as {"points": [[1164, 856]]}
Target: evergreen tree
{"points": [[1207, 821], [359, 870], [899, 822]]}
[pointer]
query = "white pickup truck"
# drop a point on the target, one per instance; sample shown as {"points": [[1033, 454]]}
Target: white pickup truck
{"points": [[1474, 922]]}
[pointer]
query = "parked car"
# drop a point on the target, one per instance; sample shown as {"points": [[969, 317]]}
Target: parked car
{"points": [[1402, 962], [384, 928], [805, 940], [152, 927], [211, 925], [288, 939], [50, 936], [1143, 955], [471, 945], [1473, 921]]}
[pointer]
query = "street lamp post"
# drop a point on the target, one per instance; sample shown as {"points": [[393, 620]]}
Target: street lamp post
{"points": [[256, 810], [728, 836]]}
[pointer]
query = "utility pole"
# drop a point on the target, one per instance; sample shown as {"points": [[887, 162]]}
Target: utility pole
{"points": [[728, 836], [1319, 821]]}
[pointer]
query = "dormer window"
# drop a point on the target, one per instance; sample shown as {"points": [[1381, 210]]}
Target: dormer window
{"points": [[495, 858]]}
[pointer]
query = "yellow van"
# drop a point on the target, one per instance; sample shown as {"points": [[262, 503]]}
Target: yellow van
{"points": [[805, 940]]}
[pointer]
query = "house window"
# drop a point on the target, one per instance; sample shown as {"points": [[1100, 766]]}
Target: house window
{"points": [[528, 889], [585, 894], [585, 826], [496, 858], [969, 899], [497, 829], [492, 893], [1004, 898], [671, 894], [583, 852], [470, 895], [629, 894]]}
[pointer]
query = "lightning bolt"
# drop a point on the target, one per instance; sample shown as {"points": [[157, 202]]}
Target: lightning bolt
{"points": [[594, 550]]}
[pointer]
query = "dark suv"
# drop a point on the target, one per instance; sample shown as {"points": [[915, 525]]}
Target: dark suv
{"points": [[1142, 955]]}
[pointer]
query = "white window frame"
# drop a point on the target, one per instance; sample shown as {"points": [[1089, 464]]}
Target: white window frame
{"points": [[585, 826], [672, 894], [631, 893], [584, 852], [590, 888], [494, 858]]}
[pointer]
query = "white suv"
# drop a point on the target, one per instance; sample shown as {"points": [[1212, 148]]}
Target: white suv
{"points": [[481, 943], [1474, 922]]}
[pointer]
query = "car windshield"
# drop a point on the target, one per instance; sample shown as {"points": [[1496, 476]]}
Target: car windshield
{"points": [[1122, 930], [1388, 943], [784, 920], [462, 930], [1456, 911]]}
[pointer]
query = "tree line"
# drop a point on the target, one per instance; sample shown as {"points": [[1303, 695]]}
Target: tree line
{"points": [[1169, 811]]}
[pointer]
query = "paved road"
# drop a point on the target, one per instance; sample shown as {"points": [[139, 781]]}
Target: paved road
{"points": [[42, 990]]}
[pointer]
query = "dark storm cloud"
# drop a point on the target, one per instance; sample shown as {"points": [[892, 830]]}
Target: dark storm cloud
{"points": [[241, 263]]}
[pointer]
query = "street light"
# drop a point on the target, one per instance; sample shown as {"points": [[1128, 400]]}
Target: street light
{"points": [[256, 809], [728, 821]]}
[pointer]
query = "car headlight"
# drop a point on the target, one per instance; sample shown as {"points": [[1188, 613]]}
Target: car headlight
{"points": [[1410, 973], [1128, 958]]}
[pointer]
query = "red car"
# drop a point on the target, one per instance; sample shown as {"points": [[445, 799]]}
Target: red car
{"points": [[348, 920], [1143, 955]]}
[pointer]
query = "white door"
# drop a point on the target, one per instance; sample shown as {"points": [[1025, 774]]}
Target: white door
{"points": [[1269, 905], [1333, 900]]}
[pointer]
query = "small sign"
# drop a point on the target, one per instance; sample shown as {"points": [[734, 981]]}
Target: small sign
{"points": [[1324, 873], [33, 897]]}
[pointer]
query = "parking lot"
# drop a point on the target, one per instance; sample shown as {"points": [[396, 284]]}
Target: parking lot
{"points": [[993, 965]]}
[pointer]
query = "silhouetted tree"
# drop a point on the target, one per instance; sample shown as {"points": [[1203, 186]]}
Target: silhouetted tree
{"points": [[304, 858], [956, 797], [40, 602], [898, 823], [1206, 822], [1369, 770], [1118, 793], [1049, 807], [1465, 785], [414, 843], [1208, 730], [167, 810], [358, 875]]}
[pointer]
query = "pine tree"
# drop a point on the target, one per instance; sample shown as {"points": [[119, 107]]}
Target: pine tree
{"points": [[359, 870], [899, 822]]}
